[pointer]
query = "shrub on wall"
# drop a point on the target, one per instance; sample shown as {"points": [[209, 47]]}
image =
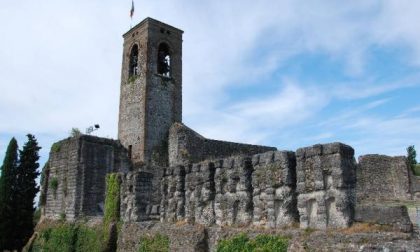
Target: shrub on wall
{"points": [[157, 243], [54, 184], [56, 147], [112, 198], [261, 242]]}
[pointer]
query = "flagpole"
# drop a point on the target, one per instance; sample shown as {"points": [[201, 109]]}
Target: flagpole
{"points": [[131, 13]]}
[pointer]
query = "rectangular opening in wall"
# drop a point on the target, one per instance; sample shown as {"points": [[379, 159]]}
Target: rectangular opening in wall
{"points": [[130, 149]]}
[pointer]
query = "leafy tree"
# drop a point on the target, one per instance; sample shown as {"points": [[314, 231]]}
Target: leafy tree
{"points": [[26, 190], [411, 156], [7, 189]]}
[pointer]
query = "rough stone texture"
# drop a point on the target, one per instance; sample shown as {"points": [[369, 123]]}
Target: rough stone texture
{"points": [[183, 238], [396, 216], [150, 103], [79, 166], [415, 185], [187, 146], [198, 238], [326, 177], [136, 196], [233, 202], [382, 177], [274, 184], [173, 194], [200, 193]]}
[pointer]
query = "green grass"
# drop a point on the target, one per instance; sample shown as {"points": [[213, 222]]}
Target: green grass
{"points": [[261, 243], [156, 243], [69, 238]]}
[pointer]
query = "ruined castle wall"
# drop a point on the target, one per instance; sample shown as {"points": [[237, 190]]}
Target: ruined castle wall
{"points": [[382, 177], [326, 178], [64, 180], [79, 166], [187, 146], [274, 183], [235, 191]]}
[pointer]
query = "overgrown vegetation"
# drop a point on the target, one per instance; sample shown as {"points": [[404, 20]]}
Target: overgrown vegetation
{"points": [[262, 242], [112, 199], [416, 170], [56, 147], [75, 132], [411, 159], [63, 236], [54, 184], [69, 237], [156, 243]]}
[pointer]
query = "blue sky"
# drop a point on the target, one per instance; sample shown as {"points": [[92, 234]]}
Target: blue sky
{"points": [[288, 74]]}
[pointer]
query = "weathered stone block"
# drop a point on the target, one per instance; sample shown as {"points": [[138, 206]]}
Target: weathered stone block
{"points": [[324, 209], [396, 216], [273, 181], [382, 177], [233, 203], [326, 178]]}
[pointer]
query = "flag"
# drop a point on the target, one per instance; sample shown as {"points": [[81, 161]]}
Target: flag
{"points": [[132, 9]]}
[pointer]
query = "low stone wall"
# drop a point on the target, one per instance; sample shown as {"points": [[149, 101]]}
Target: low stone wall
{"points": [[381, 178], [187, 146], [326, 178], [76, 175], [395, 216]]}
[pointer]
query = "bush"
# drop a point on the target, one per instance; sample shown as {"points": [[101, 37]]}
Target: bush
{"points": [[56, 147], [75, 132], [157, 243], [261, 243], [69, 237], [416, 170]]}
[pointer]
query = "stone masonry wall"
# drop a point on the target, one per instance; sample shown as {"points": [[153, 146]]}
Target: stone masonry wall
{"points": [[235, 191], [274, 183], [187, 146], [78, 166], [382, 177], [326, 178]]}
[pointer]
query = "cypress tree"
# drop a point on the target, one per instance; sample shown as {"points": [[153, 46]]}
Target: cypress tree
{"points": [[7, 189], [26, 190]]}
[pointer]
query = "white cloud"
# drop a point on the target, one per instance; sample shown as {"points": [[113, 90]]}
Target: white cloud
{"points": [[60, 60]]}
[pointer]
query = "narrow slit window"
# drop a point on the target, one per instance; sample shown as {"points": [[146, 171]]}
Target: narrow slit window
{"points": [[164, 60], [130, 149], [134, 61]]}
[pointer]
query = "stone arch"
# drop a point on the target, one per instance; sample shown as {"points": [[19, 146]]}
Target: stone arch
{"points": [[164, 60], [133, 67]]}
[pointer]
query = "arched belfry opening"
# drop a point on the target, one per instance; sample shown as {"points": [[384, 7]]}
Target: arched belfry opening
{"points": [[164, 60], [134, 61]]}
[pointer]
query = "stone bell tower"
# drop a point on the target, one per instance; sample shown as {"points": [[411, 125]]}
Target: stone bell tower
{"points": [[151, 90]]}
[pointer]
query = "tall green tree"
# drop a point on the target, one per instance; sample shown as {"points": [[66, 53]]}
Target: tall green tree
{"points": [[411, 156], [26, 190], [7, 189]]}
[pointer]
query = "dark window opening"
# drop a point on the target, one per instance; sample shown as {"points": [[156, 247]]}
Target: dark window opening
{"points": [[130, 149], [134, 61], [164, 60]]}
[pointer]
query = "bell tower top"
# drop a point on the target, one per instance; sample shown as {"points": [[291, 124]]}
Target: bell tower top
{"points": [[151, 90]]}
